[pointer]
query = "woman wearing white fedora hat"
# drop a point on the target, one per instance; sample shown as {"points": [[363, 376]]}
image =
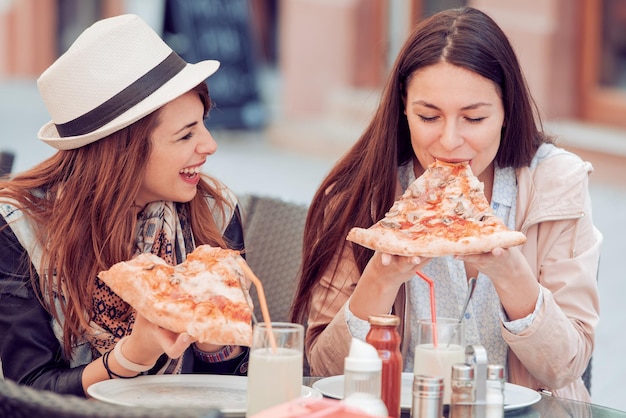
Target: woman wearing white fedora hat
{"points": [[128, 121]]}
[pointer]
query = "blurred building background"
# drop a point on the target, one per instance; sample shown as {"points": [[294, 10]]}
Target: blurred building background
{"points": [[308, 72], [304, 76]]}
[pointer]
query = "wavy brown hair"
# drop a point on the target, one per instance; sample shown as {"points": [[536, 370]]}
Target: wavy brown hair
{"points": [[361, 186], [84, 217]]}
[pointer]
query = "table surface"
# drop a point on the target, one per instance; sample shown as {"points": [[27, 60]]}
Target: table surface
{"points": [[41, 403], [548, 406], [554, 407]]}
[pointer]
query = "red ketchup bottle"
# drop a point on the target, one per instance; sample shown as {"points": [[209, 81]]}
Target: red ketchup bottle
{"points": [[384, 336]]}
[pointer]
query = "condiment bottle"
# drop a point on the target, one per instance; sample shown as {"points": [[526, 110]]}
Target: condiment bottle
{"points": [[427, 397], [462, 399], [362, 379], [384, 336], [494, 398]]}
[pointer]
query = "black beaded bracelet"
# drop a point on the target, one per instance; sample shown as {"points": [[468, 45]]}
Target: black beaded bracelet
{"points": [[112, 374]]}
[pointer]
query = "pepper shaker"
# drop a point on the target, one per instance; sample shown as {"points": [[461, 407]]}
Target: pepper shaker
{"points": [[494, 399], [462, 399], [427, 397]]}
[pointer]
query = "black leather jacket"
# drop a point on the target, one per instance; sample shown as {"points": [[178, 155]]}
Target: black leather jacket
{"points": [[30, 352]]}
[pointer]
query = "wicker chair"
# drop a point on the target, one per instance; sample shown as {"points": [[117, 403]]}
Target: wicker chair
{"points": [[6, 162], [273, 231], [22, 401]]}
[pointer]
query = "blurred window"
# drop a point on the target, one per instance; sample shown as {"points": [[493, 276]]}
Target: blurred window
{"points": [[74, 16], [430, 7], [613, 54]]}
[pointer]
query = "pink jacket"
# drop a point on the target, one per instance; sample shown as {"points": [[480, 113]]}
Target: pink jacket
{"points": [[562, 248]]}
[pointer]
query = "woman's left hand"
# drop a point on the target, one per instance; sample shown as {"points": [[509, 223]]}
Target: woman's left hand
{"points": [[512, 277], [500, 264]]}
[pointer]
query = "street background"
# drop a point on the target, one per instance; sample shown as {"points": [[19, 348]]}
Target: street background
{"points": [[251, 163]]}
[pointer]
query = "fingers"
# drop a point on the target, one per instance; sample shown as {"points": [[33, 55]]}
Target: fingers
{"points": [[177, 349], [475, 258], [157, 340], [387, 259]]}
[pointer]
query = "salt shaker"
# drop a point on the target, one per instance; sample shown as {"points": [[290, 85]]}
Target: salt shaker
{"points": [[462, 399], [384, 336], [362, 379], [427, 397], [494, 399]]}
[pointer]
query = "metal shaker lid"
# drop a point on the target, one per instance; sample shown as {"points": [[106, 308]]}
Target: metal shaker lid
{"points": [[427, 386], [495, 372], [462, 371]]}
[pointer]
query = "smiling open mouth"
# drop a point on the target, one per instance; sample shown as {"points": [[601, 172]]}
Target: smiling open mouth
{"points": [[190, 172]]}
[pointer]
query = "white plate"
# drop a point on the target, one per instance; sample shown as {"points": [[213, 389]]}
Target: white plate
{"points": [[518, 397], [515, 397], [228, 393]]}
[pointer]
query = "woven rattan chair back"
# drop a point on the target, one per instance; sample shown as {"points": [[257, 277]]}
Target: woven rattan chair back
{"points": [[273, 231]]}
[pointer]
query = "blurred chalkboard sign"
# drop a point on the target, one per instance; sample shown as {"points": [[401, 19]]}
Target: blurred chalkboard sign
{"points": [[219, 29]]}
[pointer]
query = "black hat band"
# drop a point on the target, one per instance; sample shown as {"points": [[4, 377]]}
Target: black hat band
{"points": [[125, 99]]}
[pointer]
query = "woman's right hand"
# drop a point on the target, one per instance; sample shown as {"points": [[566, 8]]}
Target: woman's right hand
{"points": [[148, 342], [143, 347], [393, 270], [378, 286]]}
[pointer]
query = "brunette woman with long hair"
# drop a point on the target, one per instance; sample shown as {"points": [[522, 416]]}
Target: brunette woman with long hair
{"points": [[126, 180], [456, 93]]}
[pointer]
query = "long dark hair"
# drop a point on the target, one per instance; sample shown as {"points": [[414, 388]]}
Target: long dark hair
{"points": [[361, 186]]}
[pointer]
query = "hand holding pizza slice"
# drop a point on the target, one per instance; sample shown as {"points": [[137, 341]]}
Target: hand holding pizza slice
{"points": [[206, 296], [443, 212]]}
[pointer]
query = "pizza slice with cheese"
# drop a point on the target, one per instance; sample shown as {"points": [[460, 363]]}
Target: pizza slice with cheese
{"points": [[205, 296], [443, 212]]}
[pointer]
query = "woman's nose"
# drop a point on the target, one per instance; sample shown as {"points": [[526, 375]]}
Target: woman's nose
{"points": [[207, 144], [451, 138]]}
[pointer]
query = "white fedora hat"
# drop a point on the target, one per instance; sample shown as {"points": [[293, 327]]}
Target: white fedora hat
{"points": [[116, 72]]}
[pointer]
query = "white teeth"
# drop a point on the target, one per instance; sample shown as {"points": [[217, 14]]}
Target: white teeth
{"points": [[192, 170]]}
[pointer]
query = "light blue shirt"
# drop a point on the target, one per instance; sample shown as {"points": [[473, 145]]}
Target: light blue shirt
{"points": [[484, 313]]}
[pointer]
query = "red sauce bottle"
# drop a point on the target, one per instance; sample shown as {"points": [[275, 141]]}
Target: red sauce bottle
{"points": [[384, 336]]}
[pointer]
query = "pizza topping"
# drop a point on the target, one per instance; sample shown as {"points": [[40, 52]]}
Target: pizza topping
{"points": [[459, 209], [390, 223], [442, 212]]}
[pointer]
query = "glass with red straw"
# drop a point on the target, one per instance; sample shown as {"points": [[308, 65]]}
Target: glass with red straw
{"points": [[433, 308], [432, 358]]}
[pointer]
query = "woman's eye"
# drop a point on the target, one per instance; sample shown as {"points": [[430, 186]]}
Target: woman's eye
{"points": [[475, 120], [188, 136], [428, 118]]}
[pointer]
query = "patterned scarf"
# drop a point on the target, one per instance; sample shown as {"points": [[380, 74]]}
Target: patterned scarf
{"points": [[162, 230]]}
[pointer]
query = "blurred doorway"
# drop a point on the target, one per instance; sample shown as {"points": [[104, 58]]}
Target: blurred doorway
{"points": [[603, 62]]}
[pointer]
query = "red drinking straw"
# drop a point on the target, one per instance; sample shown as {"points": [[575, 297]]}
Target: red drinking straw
{"points": [[433, 309]]}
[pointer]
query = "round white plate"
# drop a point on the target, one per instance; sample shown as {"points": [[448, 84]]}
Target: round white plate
{"points": [[515, 397], [518, 397], [228, 393]]}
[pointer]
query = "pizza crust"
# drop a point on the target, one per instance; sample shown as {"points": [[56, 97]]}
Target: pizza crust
{"points": [[204, 296], [386, 241]]}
